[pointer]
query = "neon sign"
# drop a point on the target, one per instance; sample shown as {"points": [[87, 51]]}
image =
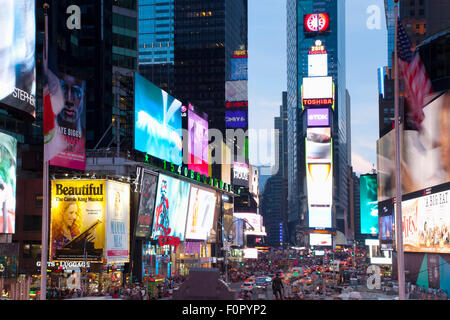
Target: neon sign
{"points": [[165, 239]]}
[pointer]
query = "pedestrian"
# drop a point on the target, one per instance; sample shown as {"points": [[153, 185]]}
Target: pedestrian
{"points": [[277, 284]]}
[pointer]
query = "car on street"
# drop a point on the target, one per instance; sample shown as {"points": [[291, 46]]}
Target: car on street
{"points": [[247, 286], [262, 283]]}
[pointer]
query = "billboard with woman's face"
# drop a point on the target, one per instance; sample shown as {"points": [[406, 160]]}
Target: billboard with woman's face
{"points": [[8, 153], [77, 229]]}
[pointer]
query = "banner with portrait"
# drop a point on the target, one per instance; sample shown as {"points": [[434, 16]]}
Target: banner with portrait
{"points": [[77, 230], [117, 222]]}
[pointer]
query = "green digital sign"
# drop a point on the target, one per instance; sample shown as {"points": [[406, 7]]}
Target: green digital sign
{"points": [[368, 204]]}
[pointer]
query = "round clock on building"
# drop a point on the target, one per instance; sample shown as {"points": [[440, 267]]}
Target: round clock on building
{"points": [[316, 22]]}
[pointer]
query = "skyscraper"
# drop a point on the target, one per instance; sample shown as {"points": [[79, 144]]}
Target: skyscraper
{"points": [[156, 42], [207, 34], [274, 198], [307, 22]]}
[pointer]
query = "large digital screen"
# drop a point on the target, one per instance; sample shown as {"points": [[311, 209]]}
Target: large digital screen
{"points": [[149, 183], [317, 88], [318, 117], [200, 219], [236, 90], [157, 122], [198, 143], [318, 144], [316, 22], [317, 65], [170, 208], [368, 204], [78, 209], [320, 239], [236, 119], [319, 177], [427, 149], [8, 166], [117, 233], [426, 223], [239, 69], [254, 223], [17, 55]]}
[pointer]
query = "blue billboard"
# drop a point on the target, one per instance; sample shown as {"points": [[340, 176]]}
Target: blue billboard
{"points": [[369, 204], [239, 69], [157, 129]]}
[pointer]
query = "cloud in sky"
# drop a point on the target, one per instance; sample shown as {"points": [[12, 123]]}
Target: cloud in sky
{"points": [[361, 165]]}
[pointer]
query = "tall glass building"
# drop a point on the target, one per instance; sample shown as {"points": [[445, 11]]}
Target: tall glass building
{"points": [[156, 42], [299, 43]]}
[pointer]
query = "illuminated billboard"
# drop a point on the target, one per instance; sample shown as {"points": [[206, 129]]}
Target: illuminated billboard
{"points": [[170, 208], [65, 120], [317, 65], [368, 204], [198, 143], [236, 104], [117, 233], [427, 149], [236, 90], [320, 239], [426, 221], [17, 56], [254, 223], [157, 122], [77, 229], [149, 183], [250, 253], [317, 88], [236, 119], [318, 117], [316, 22], [386, 230], [318, 144], [239, 69], [202, 205], [240, 174], [319, 177], [8, 166]]}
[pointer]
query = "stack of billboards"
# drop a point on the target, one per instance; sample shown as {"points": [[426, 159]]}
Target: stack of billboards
{"points": [[236, 93], [425, 194], [317, 97], [173, 207]]}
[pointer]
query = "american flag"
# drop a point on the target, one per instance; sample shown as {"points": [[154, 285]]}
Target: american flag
{"points": [[417, 85]]}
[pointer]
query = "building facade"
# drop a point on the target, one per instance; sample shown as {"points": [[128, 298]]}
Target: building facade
{"points": [[300, 40]]}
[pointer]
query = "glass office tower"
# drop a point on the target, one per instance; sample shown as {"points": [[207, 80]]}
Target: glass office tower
{"points": [[156, 42], [300, 40]]}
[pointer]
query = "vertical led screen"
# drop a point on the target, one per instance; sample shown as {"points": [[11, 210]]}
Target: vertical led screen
{"points": [[198, 143], [170, 208], [369, 204], [319, 177], [8, 165], [65, 120], [149, 183], [77, 229], [117, 222], [202, 205], [157, 122], [17, 56], [240, 174]]}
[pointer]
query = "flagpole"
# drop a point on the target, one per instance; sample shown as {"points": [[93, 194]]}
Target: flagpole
{"points": [[398, 184], [44, 245]]}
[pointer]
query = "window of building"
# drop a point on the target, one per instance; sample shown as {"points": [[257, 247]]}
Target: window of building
{"points": [[32, 249], [38, 201], [32, 223]]}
